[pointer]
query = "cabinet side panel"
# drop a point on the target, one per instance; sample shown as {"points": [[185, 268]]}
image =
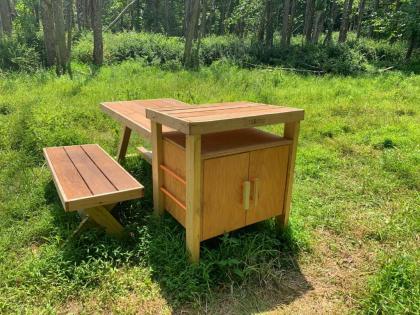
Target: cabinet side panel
{"points": [[267, 173], [174, 159], [222, 194]]}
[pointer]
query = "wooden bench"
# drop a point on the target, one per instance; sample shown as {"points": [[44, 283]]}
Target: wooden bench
{"points": [[89, 181]]}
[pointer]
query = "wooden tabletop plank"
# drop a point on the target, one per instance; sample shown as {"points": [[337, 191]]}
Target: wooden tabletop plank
{"points": [[233, 113], [133, 115], [119, 177], [236, 110], [68, 180], [223, 117], [91, 174]]}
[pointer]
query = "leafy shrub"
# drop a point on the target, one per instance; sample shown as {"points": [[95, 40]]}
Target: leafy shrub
{"points": [[168, 52], [153, 48], [16, 56]]}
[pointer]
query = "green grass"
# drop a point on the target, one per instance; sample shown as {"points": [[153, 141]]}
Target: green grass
{"points": [[351, 245]]}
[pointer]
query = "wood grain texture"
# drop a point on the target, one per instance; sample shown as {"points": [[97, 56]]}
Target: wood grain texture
{"points": [[174, 159], [146, 154], [291, 131], [223, 210], [267, 171], [123, 145], [86, 176], [193, 196], [230, 142], [157, 147], [104, 219], [223, 117], [132, 114]]}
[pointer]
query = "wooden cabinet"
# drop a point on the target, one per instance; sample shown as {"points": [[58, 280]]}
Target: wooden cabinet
{"points": [[243, 178]]}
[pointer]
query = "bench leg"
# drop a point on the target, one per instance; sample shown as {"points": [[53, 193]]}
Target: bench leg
{"points": [[125, 138], [105, 219]]}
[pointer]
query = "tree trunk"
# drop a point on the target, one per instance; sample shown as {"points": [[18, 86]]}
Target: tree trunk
{"points": [[330, 22], [291, 21], [49, 32], [318, 26], [193, 11], [269, 20], [348, 4], [360, 17], [285, 24], [96, 18], [309, 17], [68, 18], [60, 36], [6, 16]]}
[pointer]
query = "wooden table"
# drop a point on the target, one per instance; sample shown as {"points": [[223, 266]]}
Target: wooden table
{"points": [[200, 121], [132, 115]]}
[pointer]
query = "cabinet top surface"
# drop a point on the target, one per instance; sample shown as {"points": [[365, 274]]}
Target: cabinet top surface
{"points": [[210, 118]]}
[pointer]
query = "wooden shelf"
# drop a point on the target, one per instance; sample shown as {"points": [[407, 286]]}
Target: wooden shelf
{"points": [[230, 142]]}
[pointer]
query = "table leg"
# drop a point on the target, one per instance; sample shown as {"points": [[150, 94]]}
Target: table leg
{"points": [[157, 159], [291, 131], [125, 138], [193, 196]]}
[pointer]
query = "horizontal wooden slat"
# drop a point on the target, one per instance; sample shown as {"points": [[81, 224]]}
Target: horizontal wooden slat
{"points": [[132, 113], [222, 117], [146, 154], [91, 174], [230, 142], [69, 183], [119, 178]]}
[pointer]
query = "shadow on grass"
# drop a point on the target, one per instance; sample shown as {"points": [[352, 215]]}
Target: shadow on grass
{"points": [[252, 269]]}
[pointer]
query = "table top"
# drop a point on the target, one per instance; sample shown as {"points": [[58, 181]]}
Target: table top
{"points": [[210, 118], [133, 113]]}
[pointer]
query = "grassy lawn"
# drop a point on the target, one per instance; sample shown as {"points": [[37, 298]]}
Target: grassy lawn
{"points": [[352, 245]]}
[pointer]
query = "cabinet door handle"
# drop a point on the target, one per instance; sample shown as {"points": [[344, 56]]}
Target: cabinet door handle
{"points": [[246, 192], [256, 190]]}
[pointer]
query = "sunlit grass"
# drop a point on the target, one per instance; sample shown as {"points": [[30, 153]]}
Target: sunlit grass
{"points": [[357, 180]]}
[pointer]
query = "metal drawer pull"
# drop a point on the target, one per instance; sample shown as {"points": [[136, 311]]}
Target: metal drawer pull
{"points": [[246, 191]]}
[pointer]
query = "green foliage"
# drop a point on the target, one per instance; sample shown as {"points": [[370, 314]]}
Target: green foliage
{"points": [[355, 163], [152, 48], [352, 58], [16, 56], [396, 288]]}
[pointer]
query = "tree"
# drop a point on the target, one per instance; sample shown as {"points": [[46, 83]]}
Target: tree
{"points": [[60, 37], [344, 26], [96, 18], [192, 10], [6, 16], [330, 21], [360, 16], [49, 31], [309, 17], [285, 23]]}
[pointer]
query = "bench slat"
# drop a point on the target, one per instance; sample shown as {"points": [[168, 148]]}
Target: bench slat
{"points": [[68, 180], [113, 171], [92, 175]]}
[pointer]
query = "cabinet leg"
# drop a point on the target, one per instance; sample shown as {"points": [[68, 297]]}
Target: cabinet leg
{"points": [[157, 147], [193, 196], [291, 131], [125, 138]]}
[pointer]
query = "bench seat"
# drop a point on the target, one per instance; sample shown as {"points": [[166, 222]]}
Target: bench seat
{"points": [[87, 177]]}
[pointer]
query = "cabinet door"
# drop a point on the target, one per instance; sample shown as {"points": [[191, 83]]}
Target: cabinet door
{"points": [[267, 173], [222, 194]]}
